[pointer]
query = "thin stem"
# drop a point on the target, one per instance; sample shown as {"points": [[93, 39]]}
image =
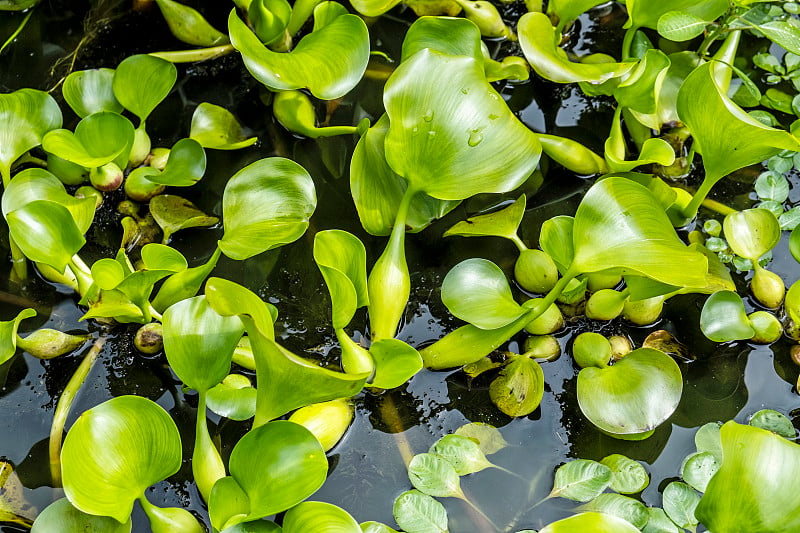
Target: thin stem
{"points": [[627, 42], [518, 242], [18, 30], [63, 407], [708, 41], [190, 56], [510, 472], [717, 207], [28, 158], [479, 511], [155, 314], [19, 262], [705, 188]]}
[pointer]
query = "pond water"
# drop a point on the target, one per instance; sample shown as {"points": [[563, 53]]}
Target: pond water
{"points": [[367, 470]]}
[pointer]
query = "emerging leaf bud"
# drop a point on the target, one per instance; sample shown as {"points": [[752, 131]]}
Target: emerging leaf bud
{"points": [[140, 149], [50, 343], [591, 349], [159, 158], [768, 288], [605, 304], [535, 271], [106, 178], [149, 339], [328, 421]]}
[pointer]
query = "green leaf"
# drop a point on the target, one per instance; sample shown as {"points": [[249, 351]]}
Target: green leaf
{"points": [[519, 388], [724, 318], [8, 334], [755, 487], [63, 516], [538, 39], [680, 501], [790, 219], [477, 291], [183, 284], [437, 140], [556, 240], [488, 437], [640, 91], [619, 224], [628, 509], [234, 398], [278, 465], [98, 139], [680, 25], [752, 233], [502, 223], [698, 469], [185, 166], [416, 512], [775, 422], [595, 522], [772, 186], [116, 450], [265, 205], [395, 363], [434, 475], [633, 396], [269, 19], [784, 33], [627, 476], [216, 127], [329, 61], [581, 480], [90, 91], [319, 516], [46, 233], [659, 522], [794, 244], [462, 452], [228, 504], [173, 213], [257, 526], [26, 116], [653, 150], [228, 298], [141, 82], [646, 14], [376, 527], [458, 37], [707, 439], [189, 26], [569, 10], [342, 259], [199, 343]]}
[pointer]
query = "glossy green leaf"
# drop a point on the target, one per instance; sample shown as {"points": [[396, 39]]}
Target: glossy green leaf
{"points": [[556, 240], [519, 388], [228, 504], [116, 450], [628, 509], [377, 190], [698, 469], [784, 33], [434, 475], [724, 318], [775, 422], [458, 37], [342, 259], [169, 519], [569, 10], [98, 139], [488, 437], [329, 62], [107, 273], [462, 452], [659, 522], [634, 395], [627, 476], [228, 298], [319, 516], [752, 233], [61, 515], [173, 213], [538, 39], [445, 141], [199, 343], [416, 512], [680, 25], [141, 82], [265, 205], [477, 291], [257, 526], [46, 233], [269, 19], [234, 398], [653, 150], [581, 480], [161, 257], [90, 91], [679, 501], [755, 487], [189, 26], [707, 439], [772, 186], [619, 224], [184, 284], [645, 14], [502, 223], [26, 116], [278, 465], [595, 522], [216, 127], [640, 91], [185, 166], [376, 527], [395, 363], [8, 334]]}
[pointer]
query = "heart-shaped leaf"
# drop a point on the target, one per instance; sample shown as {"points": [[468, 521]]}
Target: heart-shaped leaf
{"points": [[216, 127], [752, 233], [395, 363], [680, 501], [185, 166], [265, 205], [698, 469], [91, 91], [234, 398], [141, 82], [416, 512], [581, 480], [63, 516], [173, 213], [595, 522], [342, 259], [116, 450], [189, 26], [98, 139], [724, 318], [634, 395], [319, 516], [502, 223], [8, 334], [46, 233], [26, 116]]}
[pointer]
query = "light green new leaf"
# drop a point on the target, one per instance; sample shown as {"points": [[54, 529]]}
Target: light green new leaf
{"points": [[645, 14], [752, 233], [278, 465], [628, 509], [257, 526], [581, 480], [46, 233], [519, 388], [434, 475], [234, 398], [680, 26], [707, 439], [784, 33], [265, 205], [659, 522], [594, 522], [216, 127], [185, 166], [91, 91], [627, 476], [755, 488], [199, 343], [619, 224], [184, 283], [775, 422], [116, 450], [679, 501], [8, 334], [477, 291], [556, 240], [488, 437], [107, 273], [453, 36], [63, 516], [319, 516], [228, 504], [640, 91], [698, 469], [269, 19], [98, 139], [633, 396], [462, 452], [342, 259], [502, 223], [189, 26], [538, 39], [26, 116], [724, 318], [448, 127], [228, 298], [173, 213], [416, 512], [395, 363], [141, 82], [568, 10], [329, 62]]}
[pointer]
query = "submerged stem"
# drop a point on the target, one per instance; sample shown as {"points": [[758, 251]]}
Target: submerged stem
{"points": [[63, 407], [17, 31], [479, 511], [391, 416]]}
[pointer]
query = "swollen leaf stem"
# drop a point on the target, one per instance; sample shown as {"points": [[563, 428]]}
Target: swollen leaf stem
{"points": [[207, 465], [190, 56], [82, 274]]}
